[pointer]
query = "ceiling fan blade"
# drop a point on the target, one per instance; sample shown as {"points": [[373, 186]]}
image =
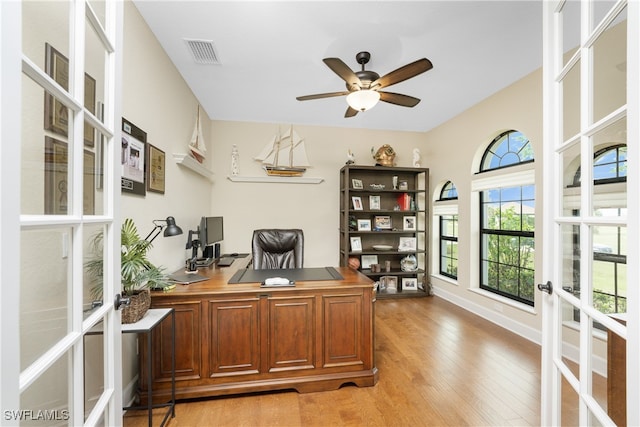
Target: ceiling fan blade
{"points": [[350, 112], [398, 99], [403, 73], [321, 95], [345, 73]]}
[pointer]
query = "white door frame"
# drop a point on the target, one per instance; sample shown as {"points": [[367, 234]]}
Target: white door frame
{"points": [[16, 66], [553, 368]]}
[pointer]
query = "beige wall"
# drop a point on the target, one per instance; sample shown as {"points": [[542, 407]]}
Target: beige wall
{"points": [[454, 151], [311, 207]]}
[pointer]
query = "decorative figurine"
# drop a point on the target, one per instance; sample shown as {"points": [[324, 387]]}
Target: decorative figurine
{"points": [[385, 155], [416, 158], [235, 168], [351, 158]]}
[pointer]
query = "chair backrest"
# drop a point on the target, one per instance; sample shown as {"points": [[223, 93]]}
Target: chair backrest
{"points": [[277, 248]]}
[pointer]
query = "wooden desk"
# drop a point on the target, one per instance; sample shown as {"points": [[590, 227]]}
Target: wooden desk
{"points": [[239, 338], [617, 374]]}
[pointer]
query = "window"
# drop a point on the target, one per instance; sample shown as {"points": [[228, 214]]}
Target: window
{"points": [[449, 246], [609, 269], [447, 223], [507, 222], [449, 192], [508, 149]]}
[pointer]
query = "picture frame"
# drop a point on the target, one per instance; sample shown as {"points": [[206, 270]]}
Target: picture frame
{"points": [[56, 114], [407, 244], [409, 223], [364, 225], [356, 244], [357, 203], [382, 222], [374, 203], [389, 284], [56, 167], [89, 178], [356, 184], [368, 260], [155, 171], [409, 284], [132, 159]]}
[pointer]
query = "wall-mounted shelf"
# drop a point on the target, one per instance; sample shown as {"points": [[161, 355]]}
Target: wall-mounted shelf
{"points": [[276, 179], [191, 163]]}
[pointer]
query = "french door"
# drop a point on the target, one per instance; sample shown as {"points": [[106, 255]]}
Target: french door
{"points": [[60, 84], [592, 213]]}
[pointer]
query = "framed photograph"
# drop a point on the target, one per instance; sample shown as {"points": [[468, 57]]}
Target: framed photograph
{"points": [[369, 260], [90, 104], [374, 203], [155, 170], [357, 184], [357, 203], [382, 222], [389, 284], [409, 284], [56, 115], [409, 223], [56, 167], [132, 158], [407, 244], [364, 225], [356, 244], [88, 183]]}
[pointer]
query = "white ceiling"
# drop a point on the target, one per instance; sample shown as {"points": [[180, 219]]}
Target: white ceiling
{"points": [[271, 52]]}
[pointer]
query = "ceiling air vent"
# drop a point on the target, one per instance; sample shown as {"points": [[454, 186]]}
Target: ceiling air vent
{"points": [[203, 51]]}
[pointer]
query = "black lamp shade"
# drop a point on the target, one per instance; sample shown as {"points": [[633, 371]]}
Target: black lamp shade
{"points": [[172, 229]]}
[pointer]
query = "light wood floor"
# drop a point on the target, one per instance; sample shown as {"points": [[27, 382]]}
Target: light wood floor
{"points": [[439, 366]]}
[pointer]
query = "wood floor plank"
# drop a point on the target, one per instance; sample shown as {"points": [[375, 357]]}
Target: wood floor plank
{"points": [[439, 365]]}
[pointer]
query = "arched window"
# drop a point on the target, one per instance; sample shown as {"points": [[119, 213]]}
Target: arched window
{"points": [[449, 192], [507, 149], [507, 219], [448, 234], [609, 165]]}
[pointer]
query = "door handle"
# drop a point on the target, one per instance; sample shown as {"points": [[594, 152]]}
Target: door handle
{"points": [[121, 301], [546, 287]]}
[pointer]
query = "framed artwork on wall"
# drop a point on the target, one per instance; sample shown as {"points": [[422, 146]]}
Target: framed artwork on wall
{"points": [[56, 115], [132, 158], [155, 169], [56, 185]]}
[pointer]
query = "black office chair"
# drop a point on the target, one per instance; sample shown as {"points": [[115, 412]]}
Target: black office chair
{"points": [[277, 248]]}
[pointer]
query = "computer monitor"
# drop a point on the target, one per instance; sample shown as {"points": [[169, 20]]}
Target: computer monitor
{"points": [[211, 230]]}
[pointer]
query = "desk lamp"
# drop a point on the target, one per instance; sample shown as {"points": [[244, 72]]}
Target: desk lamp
{"points": [[193, 244], [171, 230]]}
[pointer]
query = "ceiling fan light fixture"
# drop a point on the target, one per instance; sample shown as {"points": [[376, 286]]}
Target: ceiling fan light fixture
{"points": [[363, 100]]}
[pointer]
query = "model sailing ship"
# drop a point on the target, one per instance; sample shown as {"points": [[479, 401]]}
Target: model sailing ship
{"points": [[196, 145], [285, 155]]}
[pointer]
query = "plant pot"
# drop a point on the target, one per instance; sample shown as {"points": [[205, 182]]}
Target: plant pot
{"points": [[140, 303]]}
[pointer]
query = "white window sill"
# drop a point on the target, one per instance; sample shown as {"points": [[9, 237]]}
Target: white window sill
{"points": [[506, 301]]}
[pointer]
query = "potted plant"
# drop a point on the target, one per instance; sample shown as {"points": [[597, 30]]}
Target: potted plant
{"points": [[137, 273]]}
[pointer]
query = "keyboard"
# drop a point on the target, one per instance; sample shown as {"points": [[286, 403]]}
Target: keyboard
{"points": [[225, 261]]}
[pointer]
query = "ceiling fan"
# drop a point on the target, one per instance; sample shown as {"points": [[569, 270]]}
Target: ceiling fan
{"points": [[363, 87]]}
